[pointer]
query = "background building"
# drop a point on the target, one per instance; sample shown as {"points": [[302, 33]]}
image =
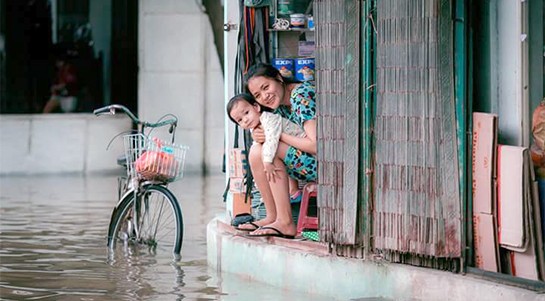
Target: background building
{"points": [[155, 57]]}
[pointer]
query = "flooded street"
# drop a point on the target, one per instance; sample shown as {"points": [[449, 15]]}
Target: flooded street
{"points": [[53, 245]]}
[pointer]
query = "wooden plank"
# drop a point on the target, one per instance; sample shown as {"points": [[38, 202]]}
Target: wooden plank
{"points": [[484, 157], [449, 165], [350, 151], [337, 65], [486, 247]]}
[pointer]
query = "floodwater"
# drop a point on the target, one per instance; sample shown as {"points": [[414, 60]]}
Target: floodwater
{"points": [[53, 245]]}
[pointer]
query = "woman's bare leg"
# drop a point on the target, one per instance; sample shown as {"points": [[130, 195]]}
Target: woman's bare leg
{"points": [[260, 179], [280, 192]]}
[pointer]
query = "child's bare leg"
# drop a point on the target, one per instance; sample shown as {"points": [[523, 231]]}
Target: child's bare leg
{"points": [[280, 191], [260, 179]]}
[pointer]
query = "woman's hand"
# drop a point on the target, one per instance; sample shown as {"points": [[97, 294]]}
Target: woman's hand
{"points": [[306, 144], [258, 134]]}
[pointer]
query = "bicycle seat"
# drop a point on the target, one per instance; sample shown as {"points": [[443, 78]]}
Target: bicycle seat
{"points": [[122, 160]]}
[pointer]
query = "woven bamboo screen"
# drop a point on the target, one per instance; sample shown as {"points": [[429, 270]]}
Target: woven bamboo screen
{"points": [[417, 204], [337, 65]]}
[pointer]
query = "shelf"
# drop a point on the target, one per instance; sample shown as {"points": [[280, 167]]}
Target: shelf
{"points": [[285, 43], [290, 30]]}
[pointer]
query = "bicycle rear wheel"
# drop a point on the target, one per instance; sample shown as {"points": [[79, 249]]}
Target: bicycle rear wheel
{"points": [[154, 221]]}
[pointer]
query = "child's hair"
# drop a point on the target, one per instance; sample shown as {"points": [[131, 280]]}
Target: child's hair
{"points": [[243, 97], [266, 70]]}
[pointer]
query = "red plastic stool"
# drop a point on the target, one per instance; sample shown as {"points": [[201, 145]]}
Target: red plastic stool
{"points": [[306, 222]]}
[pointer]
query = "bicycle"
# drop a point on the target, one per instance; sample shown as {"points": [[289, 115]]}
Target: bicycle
{"points": [[147, 212]]}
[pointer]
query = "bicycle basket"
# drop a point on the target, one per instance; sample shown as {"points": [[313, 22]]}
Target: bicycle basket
{"points": [[154, 159]]}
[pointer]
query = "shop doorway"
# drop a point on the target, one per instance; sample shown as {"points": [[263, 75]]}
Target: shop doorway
{"points": [[124, 88]]}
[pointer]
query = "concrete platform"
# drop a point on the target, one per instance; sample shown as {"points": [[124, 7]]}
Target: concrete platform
{"points": [[309, 268]]}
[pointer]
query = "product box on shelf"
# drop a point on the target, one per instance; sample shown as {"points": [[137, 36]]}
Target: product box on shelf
{"points": [[285, 66], [304, 69], [306, 48]]}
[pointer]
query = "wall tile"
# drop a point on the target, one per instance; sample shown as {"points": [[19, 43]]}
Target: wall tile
{"points": [[58, 145], [15, 146]]}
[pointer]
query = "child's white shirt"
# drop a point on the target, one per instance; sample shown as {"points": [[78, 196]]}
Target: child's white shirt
{"points": [[273, 126]]}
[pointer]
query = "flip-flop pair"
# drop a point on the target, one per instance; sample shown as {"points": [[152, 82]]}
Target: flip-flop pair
{"points": [[277, 233]]}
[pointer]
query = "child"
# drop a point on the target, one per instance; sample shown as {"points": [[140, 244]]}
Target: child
{"points": [[243, 110]]}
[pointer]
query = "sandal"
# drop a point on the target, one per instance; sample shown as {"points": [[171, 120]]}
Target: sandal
{"points": [[248, 229], [296, 197]]}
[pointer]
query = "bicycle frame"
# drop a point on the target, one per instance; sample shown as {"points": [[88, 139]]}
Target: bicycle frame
{"points": [[133, 184]]}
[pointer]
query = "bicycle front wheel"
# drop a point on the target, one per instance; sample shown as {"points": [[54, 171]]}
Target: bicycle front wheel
{"points": [[155, 220]]}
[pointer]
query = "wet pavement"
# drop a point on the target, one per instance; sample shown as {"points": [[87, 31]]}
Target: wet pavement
{"points": [[53, 245]]}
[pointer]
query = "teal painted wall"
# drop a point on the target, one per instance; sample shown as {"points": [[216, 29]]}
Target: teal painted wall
{"points": [[536, 52], [508, 77]]}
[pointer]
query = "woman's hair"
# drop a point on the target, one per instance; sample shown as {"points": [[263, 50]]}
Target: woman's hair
{"points": [[266, 70], [243, 97]]}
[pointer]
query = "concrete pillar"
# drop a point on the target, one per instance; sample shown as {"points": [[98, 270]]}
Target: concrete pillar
{"points": [[180, 74]]}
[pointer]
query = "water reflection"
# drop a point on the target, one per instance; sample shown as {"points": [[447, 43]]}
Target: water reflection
{"points": [[53, 245]]}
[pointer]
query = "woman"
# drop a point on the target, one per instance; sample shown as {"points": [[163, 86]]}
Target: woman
{"points": [[295, 157]]}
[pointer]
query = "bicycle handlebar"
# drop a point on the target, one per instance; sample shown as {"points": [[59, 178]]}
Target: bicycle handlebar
{"points": [[111, 110]]}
